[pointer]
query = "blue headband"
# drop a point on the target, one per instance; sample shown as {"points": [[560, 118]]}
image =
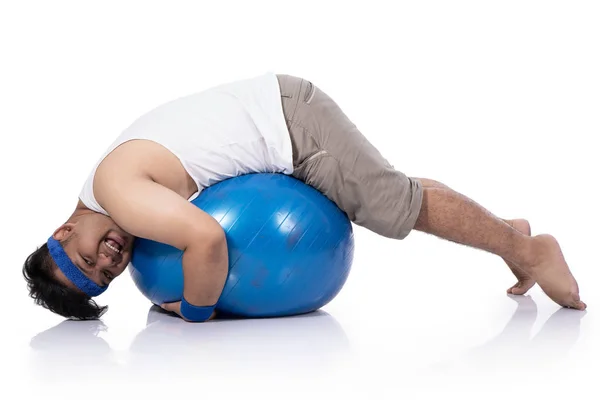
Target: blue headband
{"points": [[74, 274]]}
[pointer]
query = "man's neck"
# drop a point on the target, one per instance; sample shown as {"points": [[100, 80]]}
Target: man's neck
{"points": [[80, 210]]}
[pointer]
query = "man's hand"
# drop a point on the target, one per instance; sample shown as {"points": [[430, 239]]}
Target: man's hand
{"points": [[176, 308]]}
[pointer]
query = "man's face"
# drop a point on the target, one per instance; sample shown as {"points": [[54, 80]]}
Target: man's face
{"points": [[97, 246]]}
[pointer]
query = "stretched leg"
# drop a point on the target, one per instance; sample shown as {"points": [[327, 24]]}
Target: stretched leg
{"points": [[524, 280], [332, 155], [454, 217]]}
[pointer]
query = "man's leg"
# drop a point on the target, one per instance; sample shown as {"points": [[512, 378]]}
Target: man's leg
{"points": [[452, 216], [524, 280], [332, 155]]}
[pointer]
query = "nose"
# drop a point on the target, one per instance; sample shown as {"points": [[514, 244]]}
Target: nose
{"points": [[108, 260]]}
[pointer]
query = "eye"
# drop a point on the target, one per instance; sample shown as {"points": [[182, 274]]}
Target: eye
{"points": [[88, 262], [108, 275]]}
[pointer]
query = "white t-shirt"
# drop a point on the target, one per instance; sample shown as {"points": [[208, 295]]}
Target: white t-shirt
{"points": [[222, 132]]}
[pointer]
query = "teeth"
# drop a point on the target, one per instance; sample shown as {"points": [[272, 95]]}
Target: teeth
{"points": [[112, 247]]}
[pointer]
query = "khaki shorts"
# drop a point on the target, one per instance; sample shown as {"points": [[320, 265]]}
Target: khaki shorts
{"points": [[331, 154]]}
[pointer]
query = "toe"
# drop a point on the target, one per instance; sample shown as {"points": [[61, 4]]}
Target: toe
{"points": [[513, 288], [519, 290], [577, 305], [521, 287]]}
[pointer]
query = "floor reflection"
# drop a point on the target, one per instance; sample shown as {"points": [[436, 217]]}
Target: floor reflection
{"points": [[170, 348], [516, 349], [73, 349], [270, 345]]}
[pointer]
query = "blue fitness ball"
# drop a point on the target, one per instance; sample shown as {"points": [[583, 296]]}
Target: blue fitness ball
{"points": [[290, 248]]}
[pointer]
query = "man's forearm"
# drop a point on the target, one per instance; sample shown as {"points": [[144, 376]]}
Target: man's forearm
{"points": [[205, 267]]}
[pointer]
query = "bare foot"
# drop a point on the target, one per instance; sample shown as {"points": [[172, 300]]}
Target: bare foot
{"points": [[551, 272], [524, 280]]}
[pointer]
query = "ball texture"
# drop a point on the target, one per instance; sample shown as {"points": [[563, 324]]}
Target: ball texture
{"points": [[290, 248]]}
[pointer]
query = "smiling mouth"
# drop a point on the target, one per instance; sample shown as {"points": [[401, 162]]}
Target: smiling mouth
{"points": [[113, 246]]}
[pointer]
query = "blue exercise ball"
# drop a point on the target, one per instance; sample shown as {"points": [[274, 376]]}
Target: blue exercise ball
{"points": [[290, 248]]}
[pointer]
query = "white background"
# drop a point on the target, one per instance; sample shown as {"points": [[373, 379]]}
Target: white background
{"points": [[497, 99]]}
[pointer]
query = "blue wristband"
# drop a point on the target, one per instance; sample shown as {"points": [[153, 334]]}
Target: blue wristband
{"points": [[196, 313]]}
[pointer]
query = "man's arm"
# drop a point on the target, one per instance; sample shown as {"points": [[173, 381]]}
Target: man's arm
{"points": [[149, 210]]}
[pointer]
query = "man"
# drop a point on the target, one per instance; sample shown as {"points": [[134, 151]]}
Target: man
{"points": [[143, 184]]}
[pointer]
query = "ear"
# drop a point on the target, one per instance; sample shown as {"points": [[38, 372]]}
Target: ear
{"points": [[64, 231]]}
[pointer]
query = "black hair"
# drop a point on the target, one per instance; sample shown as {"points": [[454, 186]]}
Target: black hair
{"points": [[49, 293]]}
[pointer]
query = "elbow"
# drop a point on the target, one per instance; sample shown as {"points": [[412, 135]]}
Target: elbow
{"points": [[212, 241], [216, 239]]}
